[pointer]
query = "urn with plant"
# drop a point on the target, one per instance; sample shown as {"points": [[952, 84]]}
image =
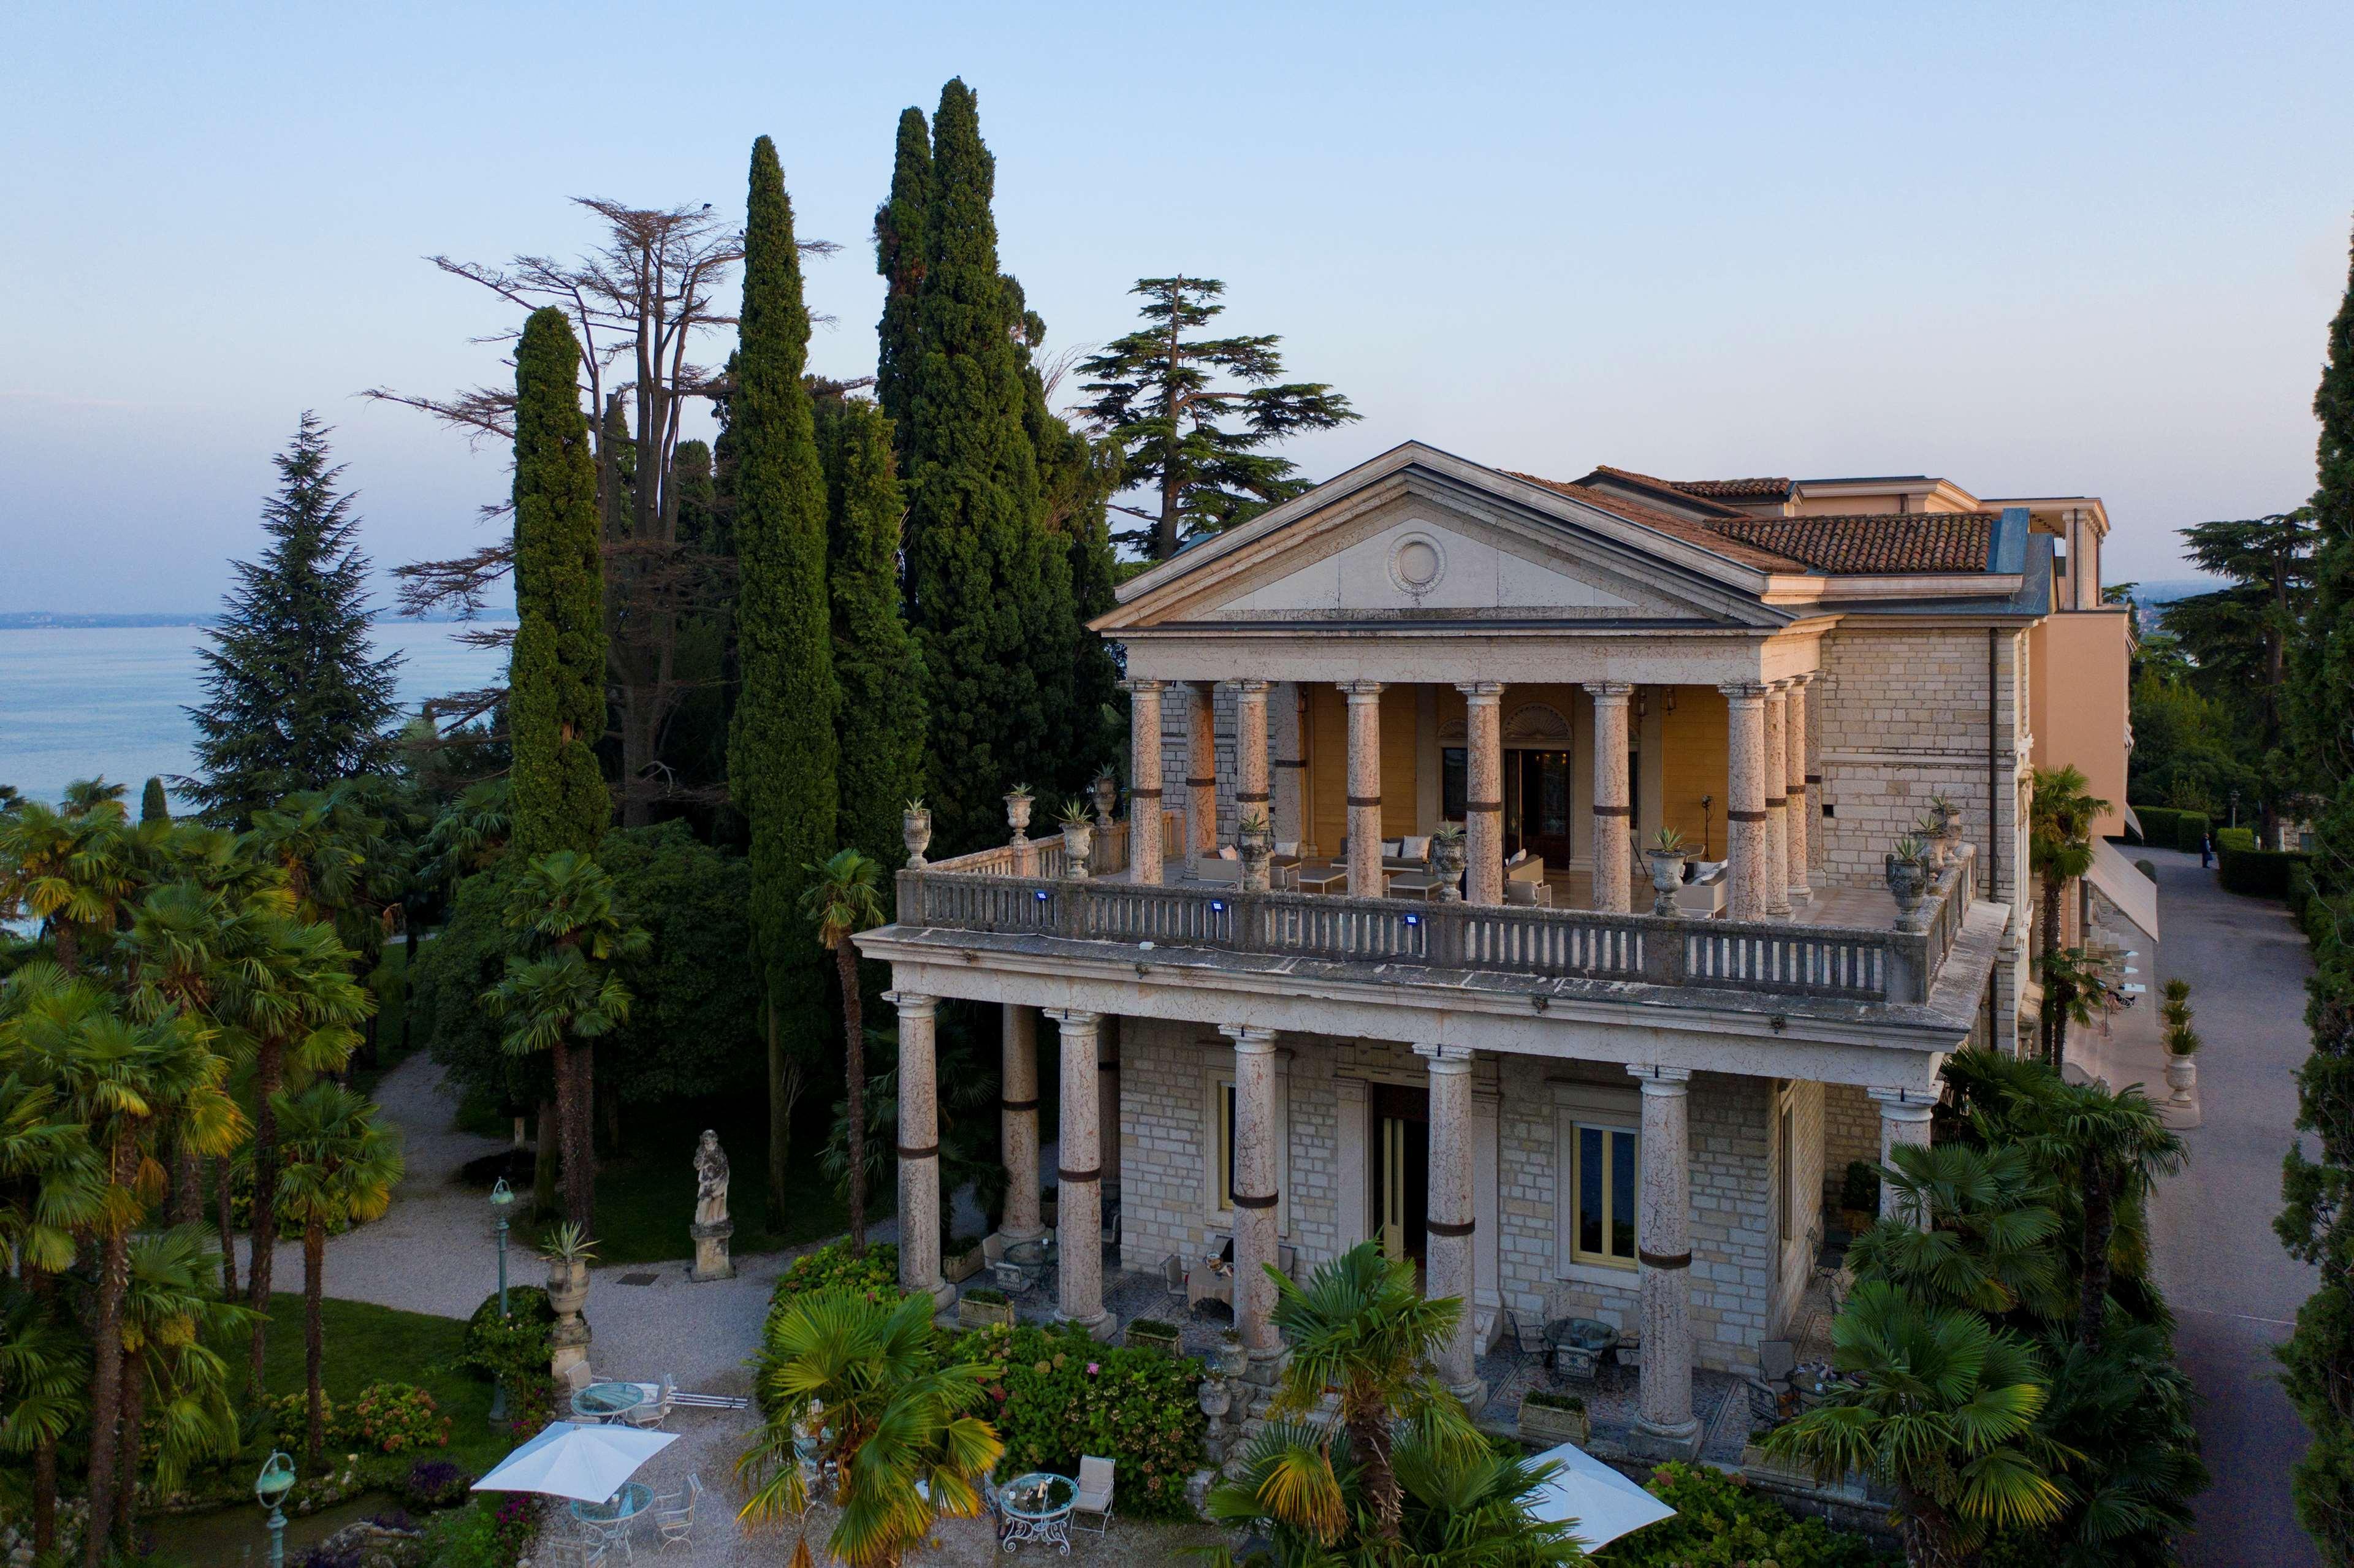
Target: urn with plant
{"points": [[1078, 838], [915, 831], [1106, 792], [1665, 856], [2181, 1041], [1018, 801], [1447, 854], [1255, 840], [1931, 831], [1908, 876]]}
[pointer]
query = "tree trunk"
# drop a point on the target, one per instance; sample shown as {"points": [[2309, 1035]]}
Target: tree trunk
{"points": [[68, 946], [188, 1186], [2051, 890], [854, 1032], [547, 1158], [225, 1223], [2100, 1203], [135, 1419], [106, 1373], [1369, 1440], [784, 1088], [572, 1119], [45, 1497], [314, 1268], [269, 1067]]}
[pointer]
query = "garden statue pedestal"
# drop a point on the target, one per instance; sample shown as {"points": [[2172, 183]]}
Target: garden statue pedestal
{"points": [[712, 1226]]}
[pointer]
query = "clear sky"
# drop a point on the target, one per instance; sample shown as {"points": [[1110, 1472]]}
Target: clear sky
{"points": [[2036, 248]]}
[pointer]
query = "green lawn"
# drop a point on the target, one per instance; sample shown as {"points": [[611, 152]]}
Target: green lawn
{"points": [[367, 1344]]}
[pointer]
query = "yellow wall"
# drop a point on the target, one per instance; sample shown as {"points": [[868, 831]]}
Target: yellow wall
{"points": [[1328, 765], [2076, 697], [1694, 738]]}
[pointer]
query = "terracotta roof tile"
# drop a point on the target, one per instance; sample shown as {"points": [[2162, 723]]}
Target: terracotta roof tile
{"points": [[1874, 542], [1706, 534], [1735, 489]]}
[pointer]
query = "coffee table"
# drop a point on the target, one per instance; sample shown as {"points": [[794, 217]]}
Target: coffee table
{"points": [[1037, 1507], [608, 1401]]}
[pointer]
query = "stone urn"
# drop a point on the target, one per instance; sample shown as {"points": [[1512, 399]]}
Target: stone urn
{"points": [[1933, 843], [1017, 813], [1949, 828], [1255, 842], [1447, 852], [916, 833], [1214, 1398], [568, 1284], [1667, 876], [1078, 845], [2182, 1077], [1233, 1358], [1908, 881], [1107, 792]]}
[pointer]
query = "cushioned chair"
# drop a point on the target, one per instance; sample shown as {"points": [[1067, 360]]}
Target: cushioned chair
{"points": [[1524, 881], [1095, 1493], [656, 1408]]}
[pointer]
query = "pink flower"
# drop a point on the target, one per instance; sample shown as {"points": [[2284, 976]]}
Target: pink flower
{"points": [[1091, 1369]]}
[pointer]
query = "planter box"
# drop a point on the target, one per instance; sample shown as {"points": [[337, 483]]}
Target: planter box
{"points": [[958, 1267], [1550, 1424], [1145, 1337], [1759, 1465], [973, 1314]]}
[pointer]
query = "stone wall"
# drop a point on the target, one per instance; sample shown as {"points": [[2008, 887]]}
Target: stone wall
{"points": [[1851, 1131]]}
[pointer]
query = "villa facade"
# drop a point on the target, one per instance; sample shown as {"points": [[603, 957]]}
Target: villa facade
{"points": [[1558, 1102]]}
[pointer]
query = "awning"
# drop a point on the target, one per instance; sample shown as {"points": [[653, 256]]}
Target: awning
{"points": [[2123, 885]]}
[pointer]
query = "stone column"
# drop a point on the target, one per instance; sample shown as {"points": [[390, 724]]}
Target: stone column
{"points": [[1200, 769], [1451, 1266], [1252, 797], [1794, 777], [1256, 1192], [1364, 787], [1903, 1118], [1017, 1125], [1079, 1208], [1107, 1107], [1291, 815], [1613, 811], [1145, 782], [1483, 791], [1777, 811], [1663, 1252], [1744, 796], [919, 1151]]}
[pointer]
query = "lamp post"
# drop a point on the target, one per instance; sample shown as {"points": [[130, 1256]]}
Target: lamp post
{"points": [[269, 1488], [501, 1196]]}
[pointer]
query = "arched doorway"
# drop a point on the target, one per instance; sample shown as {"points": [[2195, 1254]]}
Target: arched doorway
{"points": [[1537, 761]]}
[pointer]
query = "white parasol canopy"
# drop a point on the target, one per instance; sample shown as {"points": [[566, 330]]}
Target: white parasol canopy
{"points": [[573, 1460], [1606, 1504]]}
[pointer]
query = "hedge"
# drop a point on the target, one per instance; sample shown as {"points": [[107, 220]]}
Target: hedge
{"points": [[2257, 873], [2168, 828]]}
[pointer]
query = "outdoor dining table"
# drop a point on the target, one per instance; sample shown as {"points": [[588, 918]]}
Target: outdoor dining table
{"points": [[608, 1401], [1037, 1507], [633, 1500]]}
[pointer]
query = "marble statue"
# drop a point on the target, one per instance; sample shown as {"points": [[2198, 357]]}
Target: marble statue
{"points": [[712, 1226]]}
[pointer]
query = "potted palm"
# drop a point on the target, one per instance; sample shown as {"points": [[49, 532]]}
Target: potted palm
{"points": [[1018, 801], [1549, 1417], [2182, 1043], [1931, 831], [569, 1252], [1949, 822], [1447, 853], [1908, 876], [1666, 858], [1078, 838], [915, 831], [1255, 840], [1106, 796]]}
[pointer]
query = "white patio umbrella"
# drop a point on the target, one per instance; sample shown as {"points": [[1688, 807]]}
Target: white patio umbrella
{"points": [[1606, 1504], [572, 1460]]}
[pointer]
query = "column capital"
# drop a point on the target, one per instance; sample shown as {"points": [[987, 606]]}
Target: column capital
{"points": [[1612, 692], [1248, 685], [1905, 1104], [912, 1004], [1778, 688], [1481, 691], [1743, 691], [1445, 1058], [1145, 685], [1659, 1080], [1071, 1018], [1361, 691], [1803, 679], [1249, 1037]]}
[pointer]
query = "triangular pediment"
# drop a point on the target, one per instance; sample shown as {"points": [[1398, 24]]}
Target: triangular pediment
{"points": [[1416, 543]]}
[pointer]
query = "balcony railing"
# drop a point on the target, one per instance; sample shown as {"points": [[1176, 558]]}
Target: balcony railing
{"points": [[985, 892]]}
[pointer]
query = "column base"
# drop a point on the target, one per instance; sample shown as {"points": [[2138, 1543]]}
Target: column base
{"points": [[1474, 1393], [943, 1295], [1266, 1367], [1007, 1236], [1098, 1327], [1679, 1442]]}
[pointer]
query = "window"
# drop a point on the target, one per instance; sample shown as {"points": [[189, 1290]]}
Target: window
{"points": [[1603, 1182], [1453, 793], [1221, 1164], [1227, 1165]]}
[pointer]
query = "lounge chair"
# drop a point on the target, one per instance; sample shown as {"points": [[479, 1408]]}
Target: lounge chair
{"points": [[1524, 882], [1095, 1493]]}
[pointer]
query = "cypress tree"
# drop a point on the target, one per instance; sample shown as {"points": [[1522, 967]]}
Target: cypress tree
{"points": [[294, 698], [990, 597], [556, 674], [899, 258], [154, 805], [881, 723], [780, 753], [2322, 690]]}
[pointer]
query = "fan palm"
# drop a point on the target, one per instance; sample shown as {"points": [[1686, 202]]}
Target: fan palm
{"points": [[2119, 1147], [845, 898], [2075, 991], [1972, 1228], [2061, 815], [342, 1164], [1943, 1412], [44, 1392], [175, 1386], [561, 987], [902, 1430], [1361, 1329], [76, 870]]}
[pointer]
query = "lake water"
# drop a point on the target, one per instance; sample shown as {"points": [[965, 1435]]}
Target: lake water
{"points": [[76, 702]]}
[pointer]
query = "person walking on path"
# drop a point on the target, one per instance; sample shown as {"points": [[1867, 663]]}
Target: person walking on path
{"points": [[2205, 849]]}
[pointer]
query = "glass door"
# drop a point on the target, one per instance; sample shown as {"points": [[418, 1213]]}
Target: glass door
{"points": [[1539, 805], [1401, 1171]]}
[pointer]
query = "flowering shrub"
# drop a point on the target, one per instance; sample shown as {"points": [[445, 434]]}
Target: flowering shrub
{"points": [[290, 1418], [514, 1349], [487, 1535], [397, 1417], [435, 1483], [877, 1272], [1064, 1395], [1723, 1521]]}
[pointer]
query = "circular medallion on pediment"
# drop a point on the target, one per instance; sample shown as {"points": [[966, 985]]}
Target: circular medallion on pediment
{"points": [[1416, 563]]}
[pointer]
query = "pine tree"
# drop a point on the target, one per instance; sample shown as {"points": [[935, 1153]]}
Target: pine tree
{"points": [[294, 698], [989, 586], [155, 806], [557, 673], [881, 721], [780, 753], [1199, 446], [899, 258]]}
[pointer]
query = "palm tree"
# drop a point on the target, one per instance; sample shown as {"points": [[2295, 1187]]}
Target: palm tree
{"points": [[2075, 991], [561, 987], [1360, 1329], [1972, 1228], [902, 1430], [342, 1164], [1462, 1507], [76, 870], [2060, 849], [1946, 1415], [2119, 1147], [43, 1392], [845, 897], [175, 1386]]}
